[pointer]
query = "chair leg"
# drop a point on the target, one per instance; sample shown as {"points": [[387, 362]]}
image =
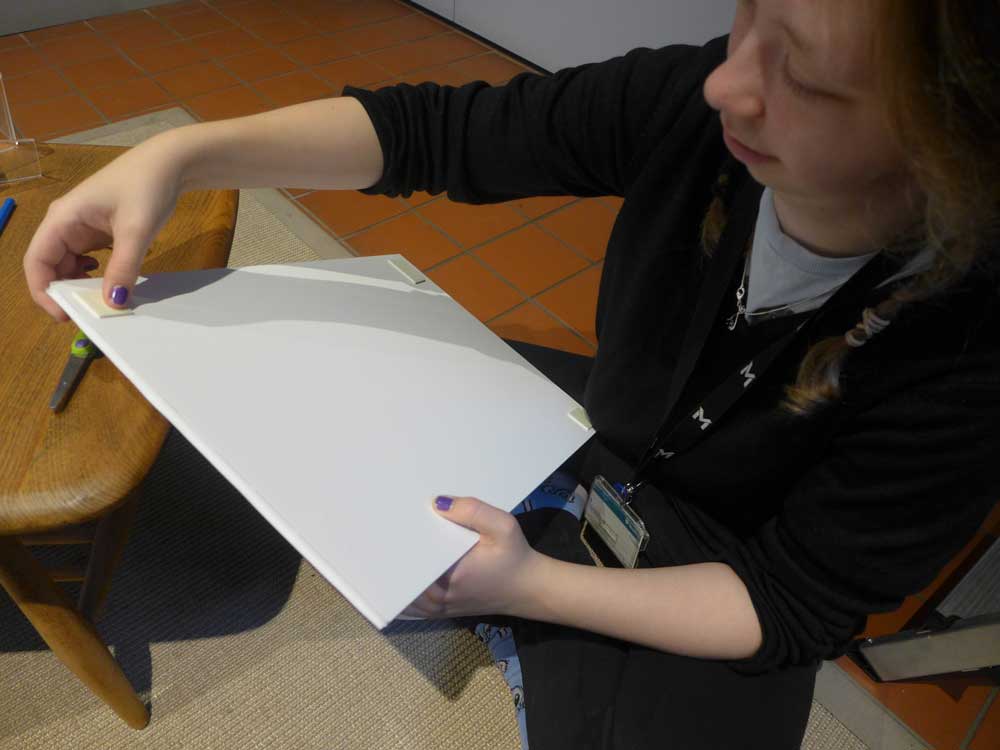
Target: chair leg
{"points": [[109, 542], [71, 637]]}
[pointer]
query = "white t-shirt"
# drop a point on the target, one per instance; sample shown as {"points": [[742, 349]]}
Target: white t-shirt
{"points": [[782, 271]]}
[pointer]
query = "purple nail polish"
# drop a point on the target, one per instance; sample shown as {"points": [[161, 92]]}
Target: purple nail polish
{"points": [[119, 294], [443, 503], [89, 264]]}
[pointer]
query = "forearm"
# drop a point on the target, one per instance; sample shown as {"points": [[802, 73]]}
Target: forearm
{"points": [[701, 610], [323, 144]]}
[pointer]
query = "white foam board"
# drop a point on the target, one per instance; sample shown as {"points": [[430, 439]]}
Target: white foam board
{"points": [[340, 397]]}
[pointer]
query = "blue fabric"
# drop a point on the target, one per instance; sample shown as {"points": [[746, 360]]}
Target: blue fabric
{"points": [[500, 642], [558, 491]]}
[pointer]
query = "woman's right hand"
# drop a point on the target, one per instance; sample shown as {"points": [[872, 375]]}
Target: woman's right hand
{"points": [[124, 205]]}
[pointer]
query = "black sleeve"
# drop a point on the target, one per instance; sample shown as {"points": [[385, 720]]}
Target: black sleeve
{"points": [[583, 131], [898, 494]]}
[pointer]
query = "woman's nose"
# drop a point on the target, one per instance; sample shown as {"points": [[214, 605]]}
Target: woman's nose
{"points": [[736, 87]]}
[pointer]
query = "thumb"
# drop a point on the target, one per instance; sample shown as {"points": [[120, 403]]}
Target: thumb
{"points": [[474, 514], [123, 266]]}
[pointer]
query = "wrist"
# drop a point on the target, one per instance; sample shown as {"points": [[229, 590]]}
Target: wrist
{"points": [[530, 593], [188, 150]]}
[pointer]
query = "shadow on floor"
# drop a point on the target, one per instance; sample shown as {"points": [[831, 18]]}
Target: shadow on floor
{"points": [[202, 563]]}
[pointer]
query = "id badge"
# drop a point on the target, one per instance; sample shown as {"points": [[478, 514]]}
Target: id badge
{"points": [[614, 522]]}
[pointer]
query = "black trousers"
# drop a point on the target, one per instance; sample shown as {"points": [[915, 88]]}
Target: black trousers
{"points": [[583, 690]]}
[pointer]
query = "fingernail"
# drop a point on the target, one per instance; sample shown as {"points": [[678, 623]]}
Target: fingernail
{"points": [[119, 294], [443, 503], [90, 264]]}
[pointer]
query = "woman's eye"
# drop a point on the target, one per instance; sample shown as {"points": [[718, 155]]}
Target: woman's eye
{"points": [[799, 89]]}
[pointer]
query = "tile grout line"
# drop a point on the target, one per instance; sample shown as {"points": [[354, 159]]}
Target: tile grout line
{"points": [[366, 53], [978, 721], [58, 70], [557, 317], [73, 88], [329, 34], [589, 264], [494, 274], [478, 245], [174, 101], [265, 44], [325, 227], [124, 54], [469, 35], [345, 239], [545, 214], [420, 217], [527, 298], [218, 61], [552, 233], [506, 233], [471, 250], [185, 39], [535, 303]]}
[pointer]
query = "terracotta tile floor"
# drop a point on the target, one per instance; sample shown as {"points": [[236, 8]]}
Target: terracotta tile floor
{"points": [[529, 268], [227, 58], [941, 711]]}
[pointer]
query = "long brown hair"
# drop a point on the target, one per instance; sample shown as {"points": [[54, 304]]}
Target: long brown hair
{"points": [[938, 66]]}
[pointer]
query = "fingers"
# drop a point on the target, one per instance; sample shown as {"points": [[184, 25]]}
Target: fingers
{"points": [[445, 578], [407, 614], [124, 204], [475, 514], [84, 266], [44, 253], [429, 605], [39, 276], [130, 245], [68, 265], [54, 253]]}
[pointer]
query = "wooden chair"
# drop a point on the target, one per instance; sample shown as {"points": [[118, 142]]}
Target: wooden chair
{"points": [[69, 631], [68, 478]]}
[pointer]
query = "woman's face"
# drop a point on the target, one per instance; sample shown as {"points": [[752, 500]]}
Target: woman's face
{"points": [[798, 100]]}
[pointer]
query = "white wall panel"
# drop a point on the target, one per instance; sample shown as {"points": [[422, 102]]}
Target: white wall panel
{"points": [[444, 8], [22, 15], [559, 33]]}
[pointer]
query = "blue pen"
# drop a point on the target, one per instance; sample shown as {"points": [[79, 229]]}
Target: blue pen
{"points": [[5, 211]]}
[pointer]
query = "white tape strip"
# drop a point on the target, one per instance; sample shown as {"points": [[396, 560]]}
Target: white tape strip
{"points": [[409, 271], [579, 415], [93, 300]]}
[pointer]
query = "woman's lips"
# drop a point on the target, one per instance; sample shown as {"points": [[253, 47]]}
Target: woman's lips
{"points": [[743, 152]]}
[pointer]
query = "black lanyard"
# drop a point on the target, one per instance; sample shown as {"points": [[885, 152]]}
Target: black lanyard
{"points": [[692, 429]]}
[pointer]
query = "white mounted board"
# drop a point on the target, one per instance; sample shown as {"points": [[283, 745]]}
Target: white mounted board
{"points": [[340, 397]]}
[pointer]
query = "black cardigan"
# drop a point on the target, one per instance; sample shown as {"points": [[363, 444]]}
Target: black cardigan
{"points": [[826, 518]]}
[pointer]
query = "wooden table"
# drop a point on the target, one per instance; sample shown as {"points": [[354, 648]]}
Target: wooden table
{"points": [[67, 478]]}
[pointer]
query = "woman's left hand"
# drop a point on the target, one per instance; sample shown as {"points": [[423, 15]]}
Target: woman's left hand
{"points": [[494, 577]]}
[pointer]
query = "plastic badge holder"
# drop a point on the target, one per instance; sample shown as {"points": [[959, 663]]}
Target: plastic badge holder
{"points": [[18, 156]]}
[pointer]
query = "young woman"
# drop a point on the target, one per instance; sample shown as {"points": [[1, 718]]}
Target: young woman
{"points": [[797, 385]]}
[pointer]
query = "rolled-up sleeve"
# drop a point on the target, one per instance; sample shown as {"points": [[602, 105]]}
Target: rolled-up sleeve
{"points": [[899, 492], [581, 131]]}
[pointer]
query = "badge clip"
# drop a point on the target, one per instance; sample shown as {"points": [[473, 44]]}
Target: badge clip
{"points": [[618, 527]]}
